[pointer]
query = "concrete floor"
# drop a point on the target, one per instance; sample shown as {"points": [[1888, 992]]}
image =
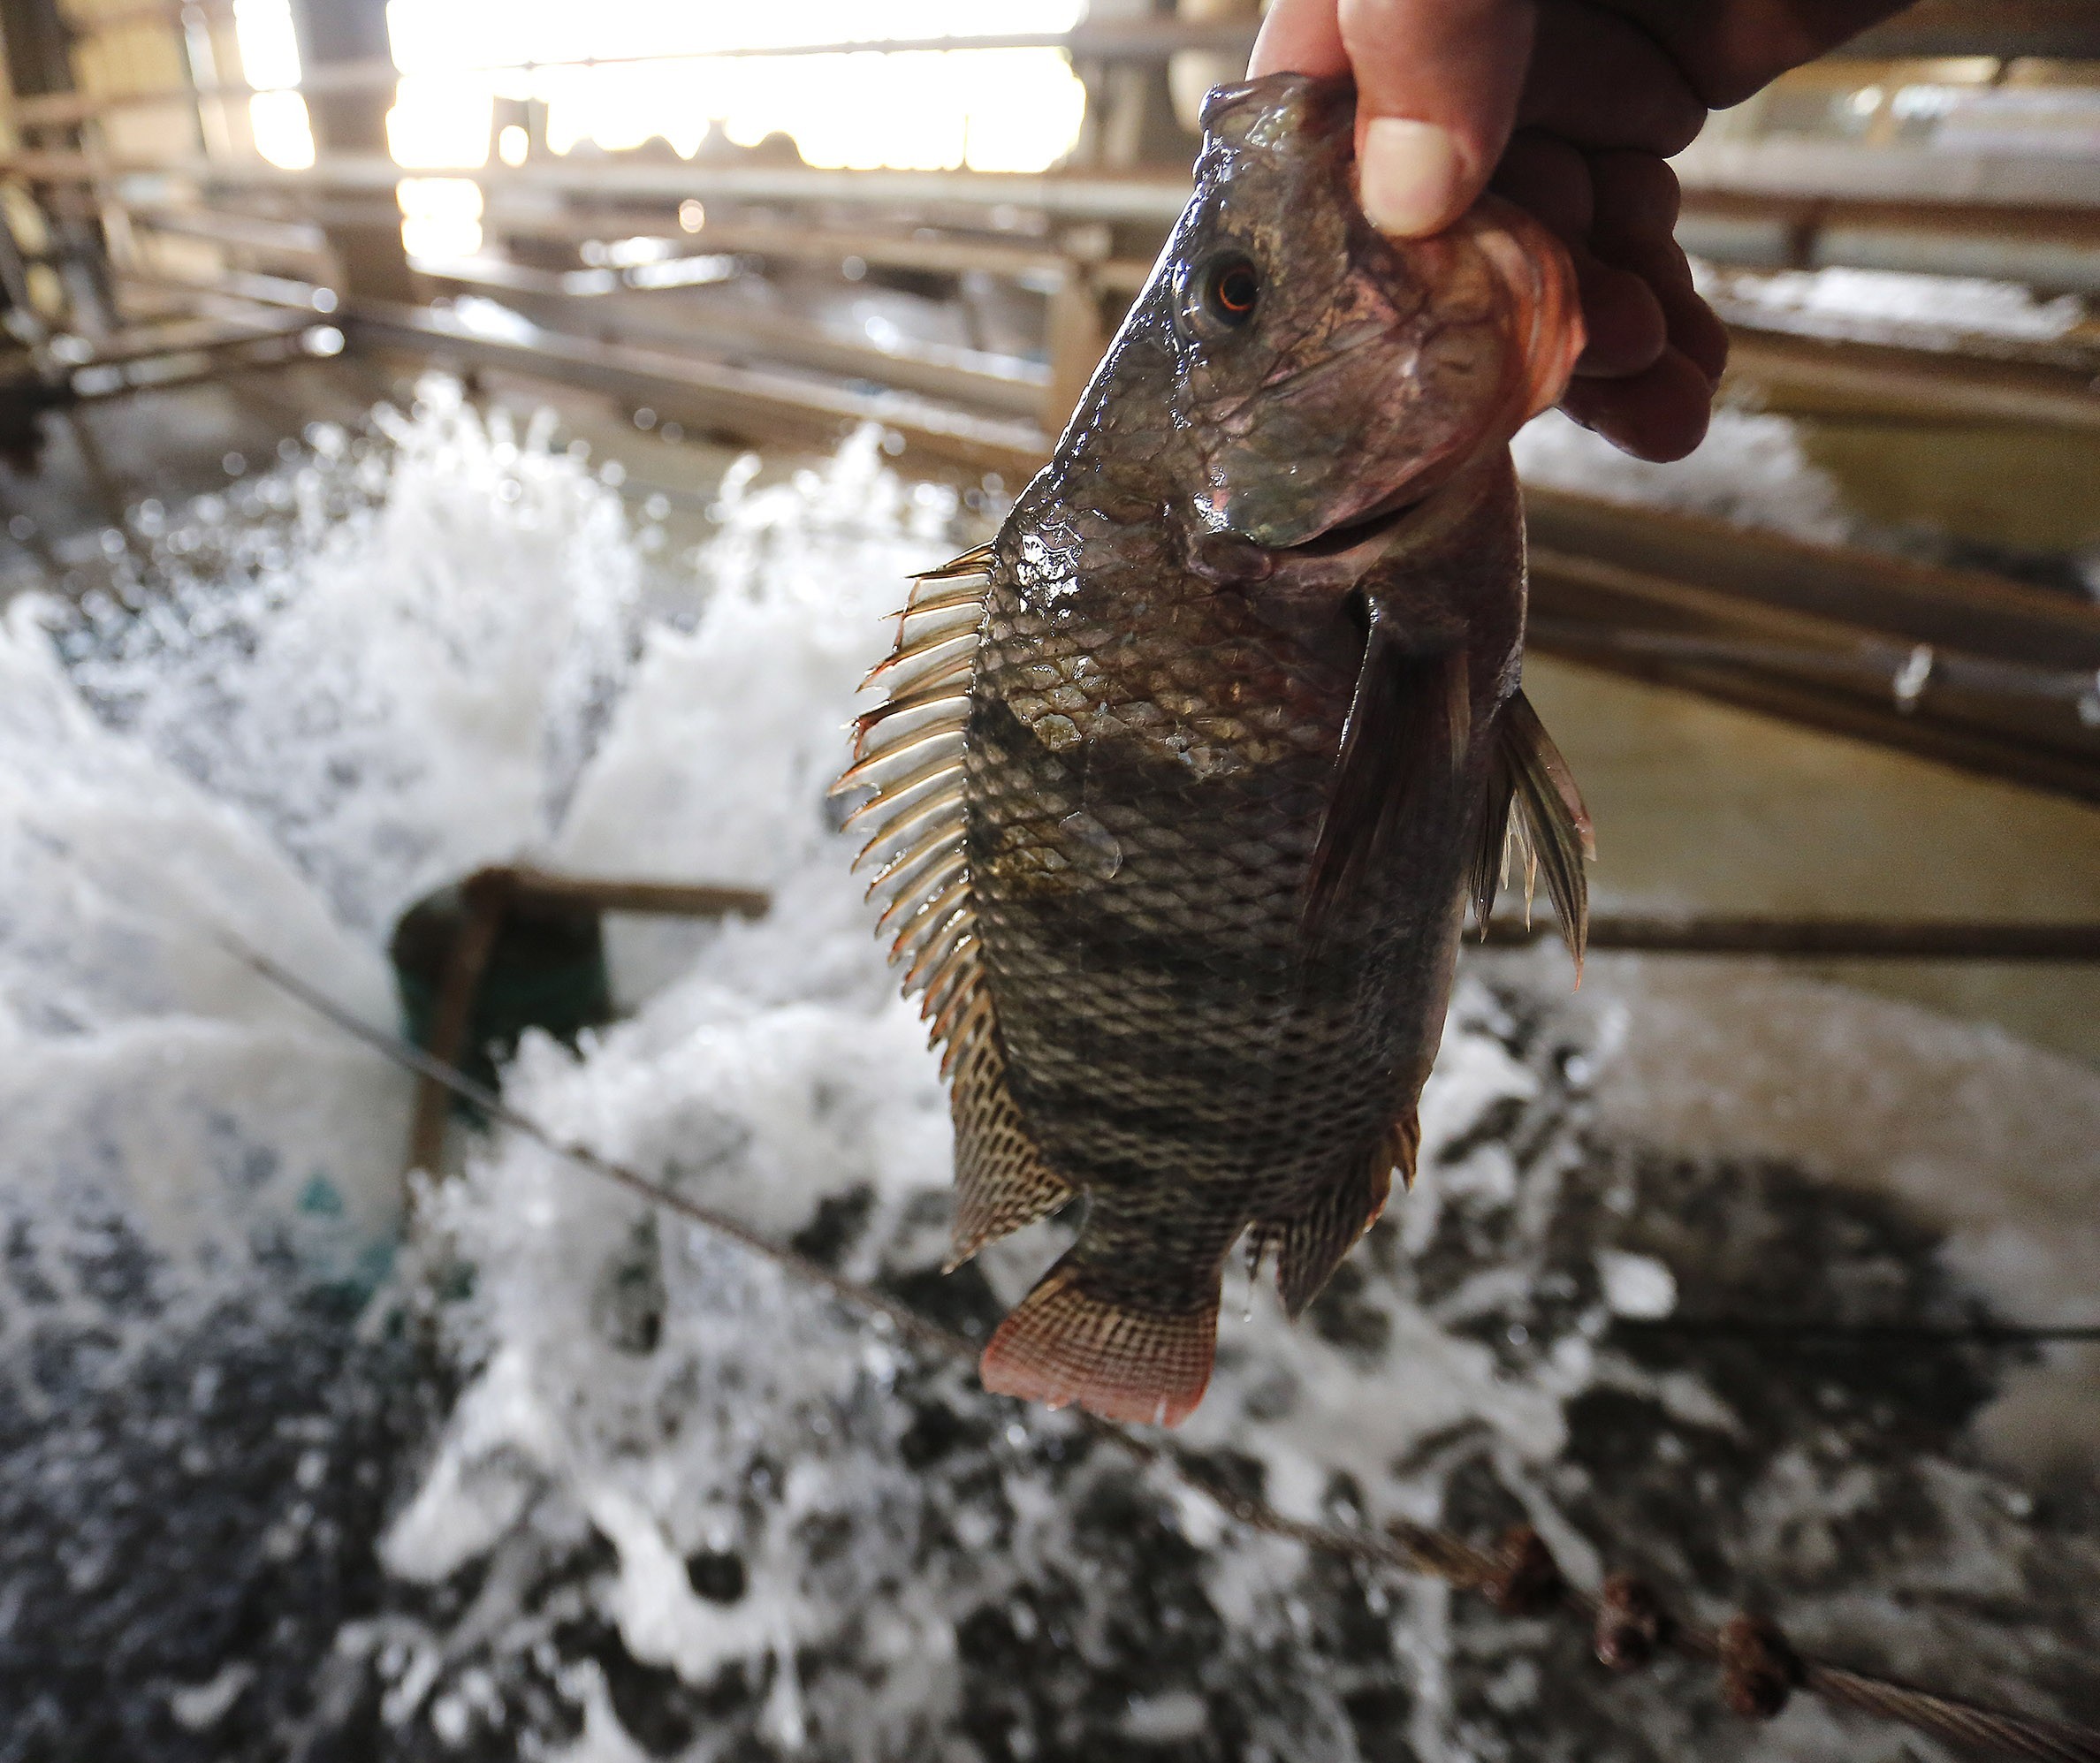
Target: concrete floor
{"points": [[1696, 805]]}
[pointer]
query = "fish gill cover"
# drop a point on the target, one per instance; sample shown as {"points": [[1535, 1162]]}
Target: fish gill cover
{"points": [[638, 1495]]}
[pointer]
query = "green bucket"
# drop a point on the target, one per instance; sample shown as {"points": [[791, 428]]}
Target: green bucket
{"points": [[546, 970]]}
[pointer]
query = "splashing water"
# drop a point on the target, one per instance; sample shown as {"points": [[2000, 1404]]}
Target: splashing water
{"points": [[404, 679], [650, 1497]]}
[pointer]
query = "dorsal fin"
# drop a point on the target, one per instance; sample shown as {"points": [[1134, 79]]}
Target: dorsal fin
{"points": [[1551, 822], [915, 826], [1001, 1182], [975, 561], [913, 818], [1407, 730]]}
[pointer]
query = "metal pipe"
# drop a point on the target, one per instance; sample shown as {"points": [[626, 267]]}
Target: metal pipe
{"points": [[1804, 165], [1136, 198], [2045, 246], [1928, 385], [740, 399], [726, 330], [1660, 554], [1904, 671]]}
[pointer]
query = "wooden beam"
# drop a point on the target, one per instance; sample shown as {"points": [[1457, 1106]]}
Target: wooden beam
{"points": [[1918, 603], [2008, 30], [1925, 385], [1817, 938], [678, 899]]}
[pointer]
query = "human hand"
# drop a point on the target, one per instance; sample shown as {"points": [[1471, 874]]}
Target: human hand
{"points": [[1568, 108]]}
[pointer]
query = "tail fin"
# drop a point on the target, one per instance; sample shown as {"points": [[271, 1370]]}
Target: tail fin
{"points": [[1061, 1346]]}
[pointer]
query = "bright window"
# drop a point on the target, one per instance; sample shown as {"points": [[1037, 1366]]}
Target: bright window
{"points": [[1003, 109], [269, 62]]}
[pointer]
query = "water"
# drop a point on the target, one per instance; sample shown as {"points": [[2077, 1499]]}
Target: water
{"points": [[575, 1481]]}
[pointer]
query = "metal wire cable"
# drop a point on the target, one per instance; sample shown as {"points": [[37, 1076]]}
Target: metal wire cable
{"points": [[1403, 1547]]}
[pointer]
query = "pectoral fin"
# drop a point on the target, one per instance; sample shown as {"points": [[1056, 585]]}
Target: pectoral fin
{"points": [[1406, 736], [1528, 773]]}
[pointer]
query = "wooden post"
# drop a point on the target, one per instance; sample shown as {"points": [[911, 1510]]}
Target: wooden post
{"points": [[487, 896], [40, 65], [493, 898], [331, 31], [1076, 335]]}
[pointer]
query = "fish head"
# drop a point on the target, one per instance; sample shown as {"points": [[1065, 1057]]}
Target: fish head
{"points": [[1324, 376]]}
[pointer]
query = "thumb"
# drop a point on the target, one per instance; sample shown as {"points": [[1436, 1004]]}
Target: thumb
{"points": [[1437, 85]]}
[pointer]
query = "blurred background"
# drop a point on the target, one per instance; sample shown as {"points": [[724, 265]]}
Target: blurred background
{"points": [[457, 433], [767, 224]]}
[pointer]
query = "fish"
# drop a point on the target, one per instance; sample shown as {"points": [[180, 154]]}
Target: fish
{"points": [[1182, 783]]}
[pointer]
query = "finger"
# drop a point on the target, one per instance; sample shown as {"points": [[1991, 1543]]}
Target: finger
{"points": [[1437, 85], [1661, 414], [1625, 325], [1622, 318], [1695, 331], [1635, 200], [1695, 328], [1729, 52], [1299, 36], [1601, 82], [1550, 178]]}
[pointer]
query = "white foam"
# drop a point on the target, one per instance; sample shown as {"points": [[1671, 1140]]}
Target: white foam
{"points": [[448, 676], [1994, 1141], [1903, 301], [1750, 470]]}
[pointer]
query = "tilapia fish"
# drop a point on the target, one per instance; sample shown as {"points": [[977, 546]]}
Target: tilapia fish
{"points": [[1184, 780]]}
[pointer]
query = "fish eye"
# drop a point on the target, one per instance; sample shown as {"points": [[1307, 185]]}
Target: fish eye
{"points": [[1231, 289]]}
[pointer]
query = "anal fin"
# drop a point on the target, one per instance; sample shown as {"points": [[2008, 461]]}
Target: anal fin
{"points": [[1001, 1182], [1063, 1345], [1312, 1245]]}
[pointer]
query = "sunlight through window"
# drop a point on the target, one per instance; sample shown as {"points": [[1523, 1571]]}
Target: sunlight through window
{"points": [[990, 111], [269, 62], [440, 217]]}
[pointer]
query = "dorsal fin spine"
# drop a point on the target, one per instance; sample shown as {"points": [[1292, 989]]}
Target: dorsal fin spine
{"points": [[931, 599], [924, 646], [895, 796], [910, 867], [876, 772], [910, 752], [944, 804], [933, 885], [934, 956], [975, 561], [931, 918]]}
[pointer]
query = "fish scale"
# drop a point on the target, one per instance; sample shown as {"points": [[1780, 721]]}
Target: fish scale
{"points": [[1239, 736]]}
